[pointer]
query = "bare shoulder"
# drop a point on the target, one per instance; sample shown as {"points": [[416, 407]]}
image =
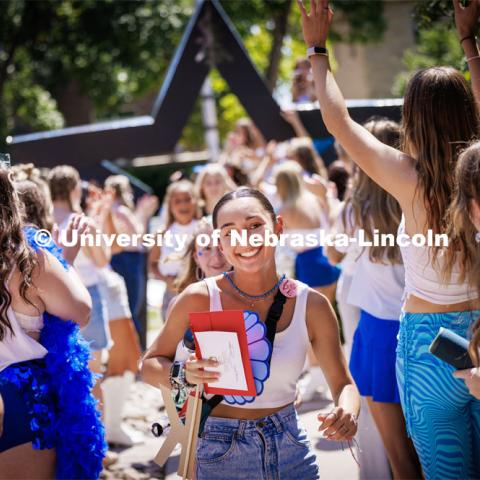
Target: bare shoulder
{"points": [[317, 304], [321, 319], [194, 298]]}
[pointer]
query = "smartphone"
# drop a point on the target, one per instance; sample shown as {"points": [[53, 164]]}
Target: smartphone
{"points": [[451, 348]]}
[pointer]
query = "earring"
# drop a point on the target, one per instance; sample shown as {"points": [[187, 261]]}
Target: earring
{"points": [[199, 274], [477, 237]]}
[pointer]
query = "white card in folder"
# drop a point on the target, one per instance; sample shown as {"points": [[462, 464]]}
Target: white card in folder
{"points": [[226, 348]]}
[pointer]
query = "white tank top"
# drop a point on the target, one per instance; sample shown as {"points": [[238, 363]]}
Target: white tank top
{"points": [[289, 352], [426, 282]]}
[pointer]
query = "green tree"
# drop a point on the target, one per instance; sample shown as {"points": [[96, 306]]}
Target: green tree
{"points": [[73, 61], [437, 42]]}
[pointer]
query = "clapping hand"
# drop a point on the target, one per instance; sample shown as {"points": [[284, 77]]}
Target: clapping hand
{"points": [[77, 224]]}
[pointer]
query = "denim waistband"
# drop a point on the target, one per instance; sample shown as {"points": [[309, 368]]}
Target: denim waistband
{"points": [[269, 424]]}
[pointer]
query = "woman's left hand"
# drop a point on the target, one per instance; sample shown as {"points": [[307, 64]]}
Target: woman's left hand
{"points": [[316, 25], [472, 380], [338, 424], [466, 18]]}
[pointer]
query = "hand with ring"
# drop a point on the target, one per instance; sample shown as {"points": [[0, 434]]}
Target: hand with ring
{"points": [[195, 372], [338, 424]]}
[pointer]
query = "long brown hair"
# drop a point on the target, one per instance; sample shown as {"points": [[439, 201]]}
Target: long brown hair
{"points": [[62, 180], [461, 228], [440, 118], [370, 206], [303, 151], [14, 250]]}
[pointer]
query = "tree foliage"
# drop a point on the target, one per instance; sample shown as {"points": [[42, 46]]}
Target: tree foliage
{"points": [[437, 42], [117, 51]]}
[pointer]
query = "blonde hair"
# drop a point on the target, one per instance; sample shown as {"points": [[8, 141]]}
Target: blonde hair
{"points": [[371, 207], [189, 272], [288, 180], [120, 184], [212, 169], [180, 186]]}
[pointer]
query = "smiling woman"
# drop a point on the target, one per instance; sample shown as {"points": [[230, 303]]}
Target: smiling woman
{"points": [[266, 430]]}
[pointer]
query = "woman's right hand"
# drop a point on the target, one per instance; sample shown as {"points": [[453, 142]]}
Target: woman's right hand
{"points": [[195, 372], [316, 25]]}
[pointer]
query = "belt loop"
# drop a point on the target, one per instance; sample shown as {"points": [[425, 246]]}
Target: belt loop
{"points": [[241, 429], [277, 421]]}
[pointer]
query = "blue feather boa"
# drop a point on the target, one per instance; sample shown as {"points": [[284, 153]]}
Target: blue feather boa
{"points": [[58, 394]]}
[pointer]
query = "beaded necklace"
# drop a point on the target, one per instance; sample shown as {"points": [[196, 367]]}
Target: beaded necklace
{"points": [[253, 298]]}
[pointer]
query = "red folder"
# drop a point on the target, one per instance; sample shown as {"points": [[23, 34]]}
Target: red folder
{"points": [[225, 321]]}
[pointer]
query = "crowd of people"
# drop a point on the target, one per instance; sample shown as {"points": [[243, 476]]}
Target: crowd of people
{"points": [[70, 315]]}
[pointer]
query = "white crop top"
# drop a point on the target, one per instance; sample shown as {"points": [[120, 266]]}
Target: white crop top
{"points": [[20, 347], [377, 288], [426, 282], [289, 352]]}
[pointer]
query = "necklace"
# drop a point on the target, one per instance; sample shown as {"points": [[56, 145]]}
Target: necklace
{"points": [[253, 298]]}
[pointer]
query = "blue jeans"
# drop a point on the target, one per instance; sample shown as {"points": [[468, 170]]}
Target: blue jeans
{"points": [[442, 418], [131, 266], [272, 448], [97, 331]]}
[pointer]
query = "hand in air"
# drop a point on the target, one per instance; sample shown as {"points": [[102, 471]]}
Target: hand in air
{"points": [[78, 224], [466, 18], [338, 424], [316, 24]]}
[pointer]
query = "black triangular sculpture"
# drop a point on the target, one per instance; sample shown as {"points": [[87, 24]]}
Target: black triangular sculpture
{"points": [[209, 40]]}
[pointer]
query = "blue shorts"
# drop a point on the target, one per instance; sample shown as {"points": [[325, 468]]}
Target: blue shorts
{"points": [[372, 362], [272, 447], [97, 332], [16, 419], [313, 268]]}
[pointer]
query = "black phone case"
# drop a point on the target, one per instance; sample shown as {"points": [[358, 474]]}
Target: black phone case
{"points": [[451, 348]]}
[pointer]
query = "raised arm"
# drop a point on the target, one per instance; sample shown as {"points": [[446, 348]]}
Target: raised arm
{"points": [[387, 166], [466, 20]]}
